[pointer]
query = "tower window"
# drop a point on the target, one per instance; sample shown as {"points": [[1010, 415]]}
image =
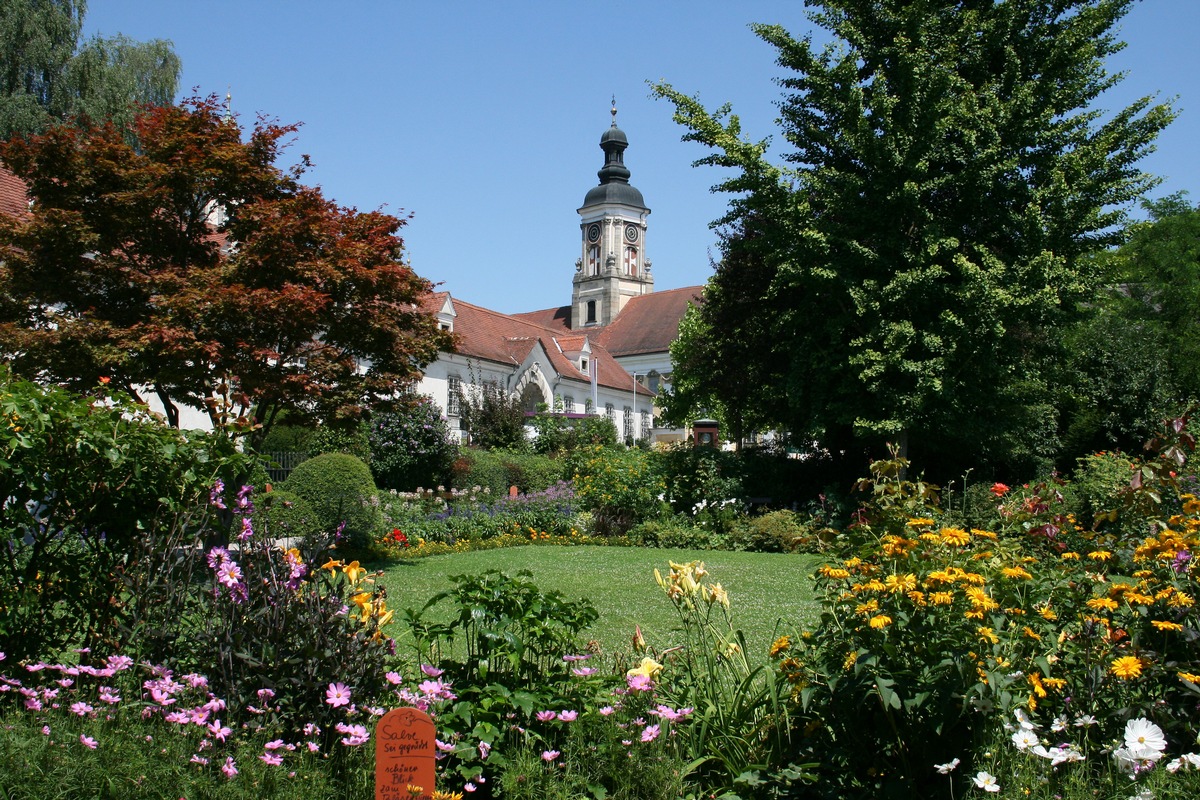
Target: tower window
{"points": [[591, 310], [631, 259], [593, 260]]}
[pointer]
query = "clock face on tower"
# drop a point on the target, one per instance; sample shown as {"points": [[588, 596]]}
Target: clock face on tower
{"points": [[631, 233], [593, 233]]}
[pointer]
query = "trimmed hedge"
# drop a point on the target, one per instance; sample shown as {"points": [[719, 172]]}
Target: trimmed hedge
{"points": [[339, 488]]}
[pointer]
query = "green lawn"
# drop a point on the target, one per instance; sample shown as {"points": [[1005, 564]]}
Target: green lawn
{"points": [[765, 589]]}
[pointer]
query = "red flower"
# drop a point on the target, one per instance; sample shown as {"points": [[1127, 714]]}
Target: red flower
{"points": [[397, 536], [999, 489]]}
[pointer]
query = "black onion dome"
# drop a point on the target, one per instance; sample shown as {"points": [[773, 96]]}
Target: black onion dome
{"points": [[614, 175]]}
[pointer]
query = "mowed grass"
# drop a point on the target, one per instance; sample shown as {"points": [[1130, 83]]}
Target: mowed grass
{"points": [[768, 592]]}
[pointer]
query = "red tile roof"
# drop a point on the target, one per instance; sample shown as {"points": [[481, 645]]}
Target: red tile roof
{"points": [[500, 338], [648, 323], [14, 202]]}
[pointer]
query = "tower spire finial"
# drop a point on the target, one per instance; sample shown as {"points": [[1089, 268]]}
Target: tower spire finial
{"points": [[614, 110]]}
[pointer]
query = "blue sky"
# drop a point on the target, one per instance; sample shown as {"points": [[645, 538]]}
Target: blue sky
{"points": [[483, 119]]}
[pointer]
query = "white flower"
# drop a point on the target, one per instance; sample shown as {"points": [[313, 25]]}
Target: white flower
{"points": [[1188, 760], [1059, 725], [986, 782], [946, 768], [1144, 739], [1024, 720], [1085, 721], [1144, 794], [1024, 739], [1059, 754]]}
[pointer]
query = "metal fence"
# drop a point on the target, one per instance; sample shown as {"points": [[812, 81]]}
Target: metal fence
{"points": [[282, 463]]}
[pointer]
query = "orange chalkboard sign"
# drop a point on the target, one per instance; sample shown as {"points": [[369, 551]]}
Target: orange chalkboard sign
{"points": [[404, 755]]}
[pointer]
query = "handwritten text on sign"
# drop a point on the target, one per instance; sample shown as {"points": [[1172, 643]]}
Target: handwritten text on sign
{"points": [[404, 755]]}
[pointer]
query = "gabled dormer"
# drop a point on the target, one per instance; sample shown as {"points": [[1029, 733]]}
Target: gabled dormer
{"points": [[446, 315]]}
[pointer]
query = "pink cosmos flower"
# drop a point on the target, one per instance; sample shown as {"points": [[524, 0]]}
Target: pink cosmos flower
{"points": [[568, 716], [431, 671], [313, 747], [273, 759], [81, 709], [639, 683], [229, 767], [218, 730], [607, 710], [88, 741], [583, 672], [277, 744], [355, 734], [109, 695], [119, 663], [546, 716], [199, 759], [650, 733], [549, 755], [337, 695], [394, 678]]}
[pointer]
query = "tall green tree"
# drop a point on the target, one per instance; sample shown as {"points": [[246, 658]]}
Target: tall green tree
{"points": [[949, 169], [47, 73], [1159, 274], [174, 258]]}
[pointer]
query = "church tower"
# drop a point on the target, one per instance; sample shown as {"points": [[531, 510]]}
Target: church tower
{"points": [[613, 266]]}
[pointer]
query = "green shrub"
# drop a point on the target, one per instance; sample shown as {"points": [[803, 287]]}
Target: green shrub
{"points": [[340, 489], [1097, 484], [82, 485], [620, 487], [675, 531], [497, 470], [283, 438], [412, 448], [281, 515], [351, 440], [776, 532]]}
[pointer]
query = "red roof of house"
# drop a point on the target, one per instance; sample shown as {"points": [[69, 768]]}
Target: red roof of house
{"points": [[14, 202], [648, 323], [501, 338]]}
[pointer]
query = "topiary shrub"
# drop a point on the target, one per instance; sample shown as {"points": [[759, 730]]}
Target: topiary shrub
{"points": [[340, 489], [286, 515]]}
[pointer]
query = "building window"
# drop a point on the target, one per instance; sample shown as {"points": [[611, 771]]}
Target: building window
{"points": [[453, 396], [591, 310], [588, 406], [628, 424], [631, 259], [646, 424], [569, 404], [583, 364]]}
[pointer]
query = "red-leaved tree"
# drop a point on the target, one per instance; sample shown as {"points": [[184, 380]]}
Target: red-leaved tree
{"points": [[176, 258]]}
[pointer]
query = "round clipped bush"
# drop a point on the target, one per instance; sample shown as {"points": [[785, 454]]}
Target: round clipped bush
{"points": [[286, 515], [339, 487]]}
